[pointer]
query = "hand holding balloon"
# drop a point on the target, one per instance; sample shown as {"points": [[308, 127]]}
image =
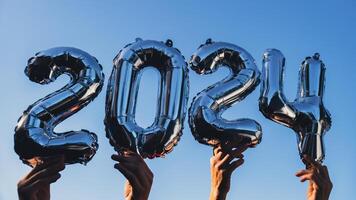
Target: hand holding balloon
{"points": [[138, 174], [228, 137], [223, 162], [36, 184], [320, 185]]}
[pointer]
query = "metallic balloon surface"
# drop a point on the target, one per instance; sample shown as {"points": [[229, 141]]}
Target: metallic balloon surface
{"points": [[206, 123], [34, 135], [307, 115], [121, 128]]}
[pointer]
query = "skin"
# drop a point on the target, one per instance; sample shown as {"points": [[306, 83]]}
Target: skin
{"points": [[320, 185], [36, 184], [138, 174], [223, 162]]}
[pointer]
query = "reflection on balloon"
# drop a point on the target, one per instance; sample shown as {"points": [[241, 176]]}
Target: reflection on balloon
{"points": [[121, 128], [206, 123], [34, 135], [307, 115]]}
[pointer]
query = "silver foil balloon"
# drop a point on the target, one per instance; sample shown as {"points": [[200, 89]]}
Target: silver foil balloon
{"points": [[206, 123], [121, 128], [307, 115], [34, 135]]}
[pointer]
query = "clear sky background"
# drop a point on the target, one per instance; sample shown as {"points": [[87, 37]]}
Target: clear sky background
{"points": [[102, 28]]}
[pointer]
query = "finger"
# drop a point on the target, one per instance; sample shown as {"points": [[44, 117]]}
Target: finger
{"points": [[238, 151], [127, 152], [41, 175], [312, 162], [219, 155], [217, 149], [235, 164], [134, 162], [45, 181], [119, 158], [133, 156], [124, 157], [59, 158], [135, 166], [302, 172], [132, 159], [47, 172], [323, 172], [236, 144], [130, 152], [305, 177], [40, 183], [224, 162], [241, 156], [128, 175], [312, 177], [307, 160], [46, 163], [232, 144], [52, 179]]}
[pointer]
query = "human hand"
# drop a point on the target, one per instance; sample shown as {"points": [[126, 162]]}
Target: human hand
{"points": [[320, 184], [138, 174], [222, 164], [36, 184]]}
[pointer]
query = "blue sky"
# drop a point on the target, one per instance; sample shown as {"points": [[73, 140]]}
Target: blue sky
{"points": [[102, 28]]}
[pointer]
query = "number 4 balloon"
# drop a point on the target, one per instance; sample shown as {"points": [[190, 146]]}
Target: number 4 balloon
{"points": [[307, 115]]}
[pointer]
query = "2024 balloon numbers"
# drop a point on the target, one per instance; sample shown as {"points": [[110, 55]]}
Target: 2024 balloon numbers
{"points": [[34, 135]]}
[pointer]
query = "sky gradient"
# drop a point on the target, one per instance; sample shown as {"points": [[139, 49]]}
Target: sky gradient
{"points": [[102, 28]]}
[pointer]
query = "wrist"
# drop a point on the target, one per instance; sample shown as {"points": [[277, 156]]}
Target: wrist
{"points": [[216, 194], [140, 196]]}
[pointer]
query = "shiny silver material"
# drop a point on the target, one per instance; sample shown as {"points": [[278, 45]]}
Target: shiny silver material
{"points": [[34, 135], [121, 128], [206, 123], [307, 115]]}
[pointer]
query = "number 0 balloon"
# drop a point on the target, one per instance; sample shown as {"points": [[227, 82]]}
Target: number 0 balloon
{"points": [[34, 135], [307, 115], [123, 86], [206, 123]]}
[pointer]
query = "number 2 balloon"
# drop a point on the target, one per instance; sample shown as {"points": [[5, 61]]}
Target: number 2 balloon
{"points": [[121, 99], [34, 135], [206, 123], [307, 115]]}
